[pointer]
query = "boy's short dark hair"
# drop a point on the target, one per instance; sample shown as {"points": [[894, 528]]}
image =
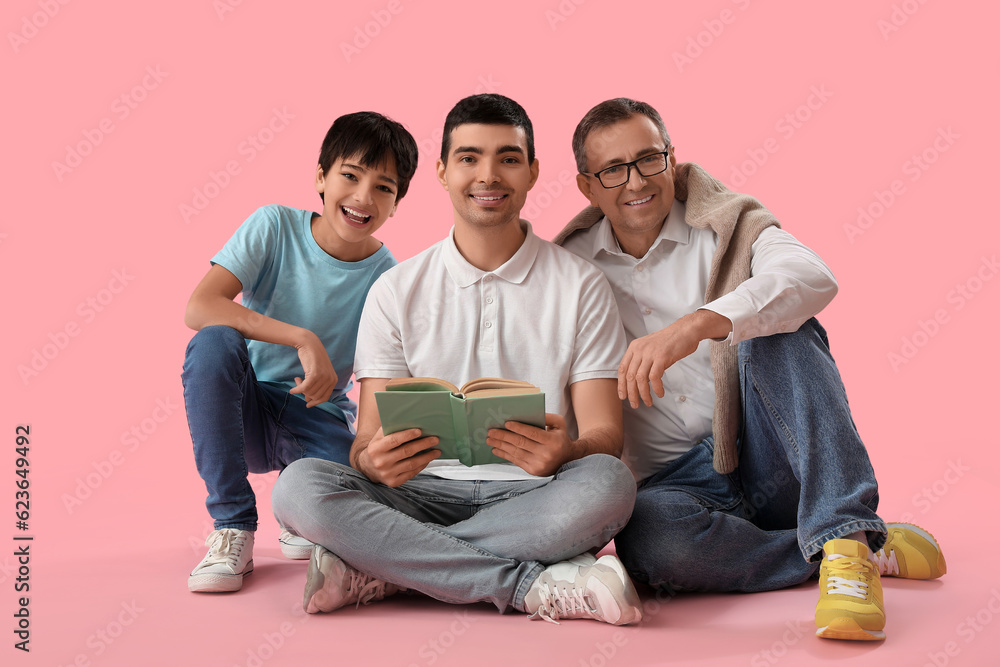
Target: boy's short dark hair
{"points": [[487, 109], [375, 138]]}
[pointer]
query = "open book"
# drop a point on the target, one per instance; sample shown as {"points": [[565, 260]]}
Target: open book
{"points": [[462, 417]]}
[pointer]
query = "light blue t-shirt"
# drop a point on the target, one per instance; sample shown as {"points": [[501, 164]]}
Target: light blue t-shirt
{"points": [[288, 277]]}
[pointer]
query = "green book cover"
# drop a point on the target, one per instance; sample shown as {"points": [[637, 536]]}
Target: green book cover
{"points": [[461, 423]]}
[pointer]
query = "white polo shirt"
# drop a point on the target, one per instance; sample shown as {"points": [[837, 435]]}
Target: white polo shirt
{"points": [[789, 283], [545, 316]]}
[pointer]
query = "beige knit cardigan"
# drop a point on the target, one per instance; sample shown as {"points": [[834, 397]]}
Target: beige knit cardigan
{"points": [[737, 220]]}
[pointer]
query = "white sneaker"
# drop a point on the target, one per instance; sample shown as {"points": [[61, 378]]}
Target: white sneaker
{"points": [[293, 546], [601, 591], [229, 559], [331, 583]]}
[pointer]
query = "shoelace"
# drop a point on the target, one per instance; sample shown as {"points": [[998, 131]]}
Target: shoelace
{"points": [[841, 585], [367, 588], [226, 546], [886, 565], [558, 602]]}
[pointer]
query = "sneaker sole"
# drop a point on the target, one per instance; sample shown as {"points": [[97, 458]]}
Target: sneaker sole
{"points": [[848, 628], [315, 599], [937, 569], [218, 583], [293, 552]]}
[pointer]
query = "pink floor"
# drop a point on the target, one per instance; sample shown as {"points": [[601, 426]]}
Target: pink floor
{"points": [[124, 602]]}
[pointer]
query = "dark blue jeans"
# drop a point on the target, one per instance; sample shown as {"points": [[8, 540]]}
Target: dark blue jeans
{"points": [[804, 477], [239, 425]]}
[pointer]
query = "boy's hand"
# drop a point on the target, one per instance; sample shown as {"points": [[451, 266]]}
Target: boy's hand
{"points": [[320, 378], [395, 458], [539, 451]]}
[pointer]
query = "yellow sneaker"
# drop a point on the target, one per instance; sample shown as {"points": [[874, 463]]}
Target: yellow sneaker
{"points": [[910, 552], [850, 593]]}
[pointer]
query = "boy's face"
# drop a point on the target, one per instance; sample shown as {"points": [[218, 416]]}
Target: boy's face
{"points": [[487, 174], [357, 200]]}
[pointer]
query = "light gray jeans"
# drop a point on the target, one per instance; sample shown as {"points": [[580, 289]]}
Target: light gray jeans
{"points": [[457, 541]]}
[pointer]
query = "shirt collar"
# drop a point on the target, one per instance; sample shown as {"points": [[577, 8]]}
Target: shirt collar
{"points": [[514, 270], [674, 229]]}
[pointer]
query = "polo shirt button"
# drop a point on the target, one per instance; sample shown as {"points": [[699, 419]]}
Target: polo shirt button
{"points": [[489, 299], [489, 324], [646, 311], [682, 398], [488, 278], [640, 268]]}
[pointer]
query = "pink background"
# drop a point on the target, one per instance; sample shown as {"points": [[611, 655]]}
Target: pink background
{"points": [[99, 260]]}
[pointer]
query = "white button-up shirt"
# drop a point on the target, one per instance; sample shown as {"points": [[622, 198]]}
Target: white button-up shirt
{"points": [[544, 316], [789, 284]]}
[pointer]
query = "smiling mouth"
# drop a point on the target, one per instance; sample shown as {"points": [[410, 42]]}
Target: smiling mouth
{"points": [[355, 216], [488, 198], [637, 202]]}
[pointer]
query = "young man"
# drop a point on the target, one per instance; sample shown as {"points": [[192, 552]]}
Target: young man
{"points": [[258, 406], [692, 262], [490, 300]]}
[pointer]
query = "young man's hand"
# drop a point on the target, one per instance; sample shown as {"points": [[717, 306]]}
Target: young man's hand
{"points": [[539, 451], [320, 379], [395, 458]]}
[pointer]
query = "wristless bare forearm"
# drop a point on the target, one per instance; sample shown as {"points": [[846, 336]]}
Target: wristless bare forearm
{"points": [[251, 324], [599, 440]]}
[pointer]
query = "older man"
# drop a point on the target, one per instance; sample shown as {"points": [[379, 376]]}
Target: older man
{"points": [[739, 434]]}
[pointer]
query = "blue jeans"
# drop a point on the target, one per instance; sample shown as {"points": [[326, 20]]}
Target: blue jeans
{"points": [[239, 425], [457, 541], [804, 478]]}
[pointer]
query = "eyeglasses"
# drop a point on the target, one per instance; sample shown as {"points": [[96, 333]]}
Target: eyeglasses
{"points": [[617, 175]]}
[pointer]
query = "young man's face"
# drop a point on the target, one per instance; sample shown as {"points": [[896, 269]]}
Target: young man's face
{"points": [[357, 200], [487, 173], [642, 203]]}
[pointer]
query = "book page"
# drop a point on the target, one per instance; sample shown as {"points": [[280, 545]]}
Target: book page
{"points": [[420, 384]]}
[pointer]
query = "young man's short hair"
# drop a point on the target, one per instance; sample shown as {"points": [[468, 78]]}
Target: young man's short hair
{"points": [[487, 109], [608, 113], [375, 138]]}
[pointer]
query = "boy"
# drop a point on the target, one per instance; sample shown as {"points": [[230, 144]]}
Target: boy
{"points": [[257, 406]]}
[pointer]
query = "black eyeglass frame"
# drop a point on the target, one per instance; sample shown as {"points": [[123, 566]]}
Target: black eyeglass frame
{"points": [[628, 169]]}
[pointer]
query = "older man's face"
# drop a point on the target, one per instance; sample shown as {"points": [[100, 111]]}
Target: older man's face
{"points": [[641, 205]]}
